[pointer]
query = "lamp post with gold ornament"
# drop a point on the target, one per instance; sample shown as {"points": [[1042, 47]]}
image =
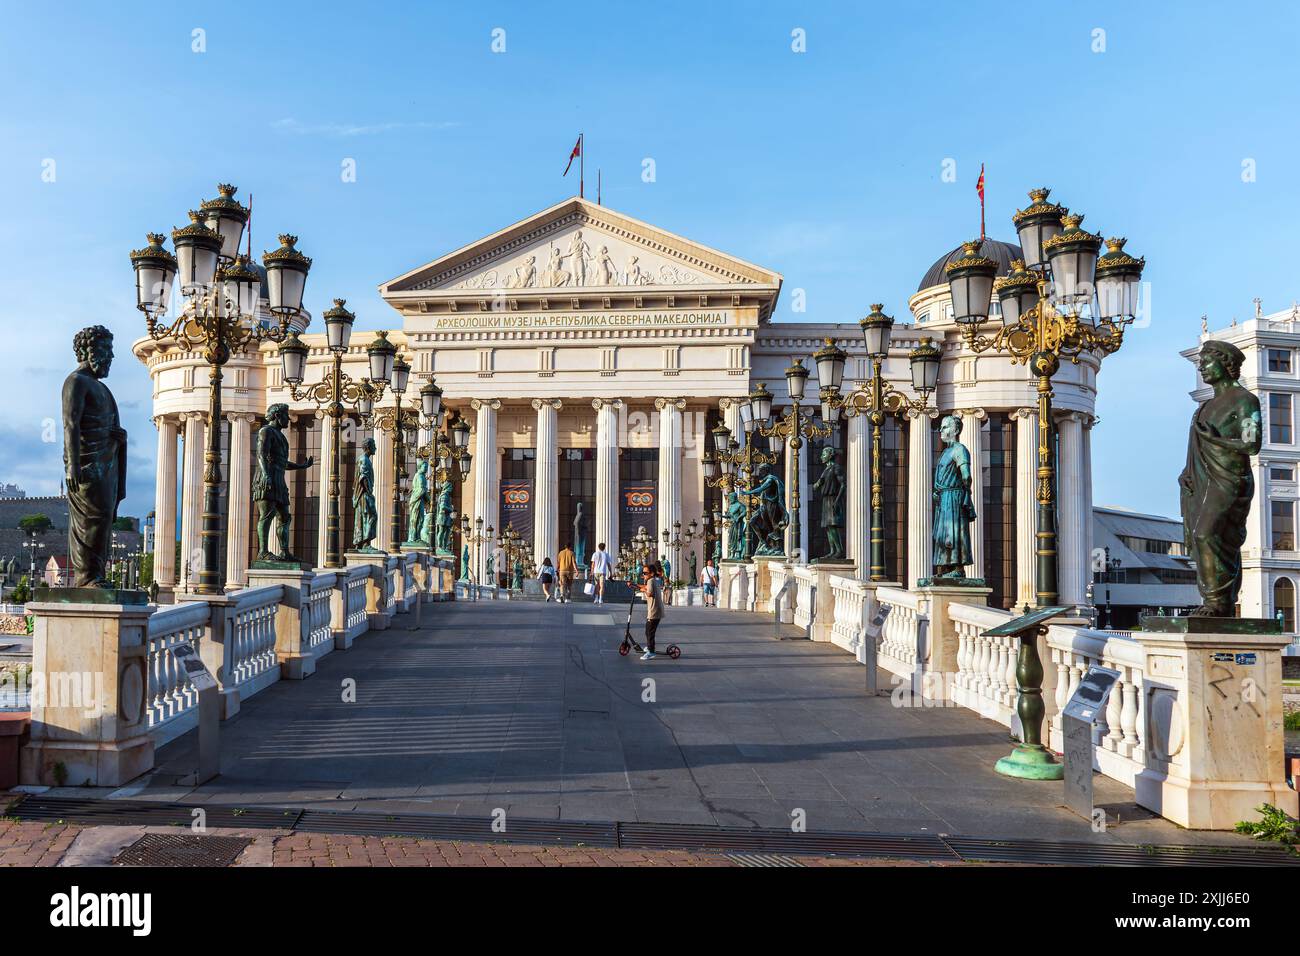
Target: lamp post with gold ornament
{"points": [[1061, 302]]}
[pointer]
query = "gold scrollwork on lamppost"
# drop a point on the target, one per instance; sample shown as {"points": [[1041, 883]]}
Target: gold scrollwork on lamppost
{"points": [[877, 397], [223, 292], [332, 393], [792, 428]]}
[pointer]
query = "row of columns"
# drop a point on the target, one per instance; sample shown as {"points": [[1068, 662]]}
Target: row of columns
{"points": [[1073, 478]]}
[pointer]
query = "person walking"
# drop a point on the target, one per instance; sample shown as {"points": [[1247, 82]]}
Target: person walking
{"points": [[653, 589], [602, 566], [499, 564], [566, 566], [709, 578], [546, 574]]}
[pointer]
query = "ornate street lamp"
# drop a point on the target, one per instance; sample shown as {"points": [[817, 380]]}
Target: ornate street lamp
{"points": [[732, 466], [219, 318], [395, 421], [330, 395], [876, 398], [792, 428], [1061, 320]]}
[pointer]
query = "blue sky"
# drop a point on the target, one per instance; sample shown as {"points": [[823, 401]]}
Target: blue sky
{"points": [[823, 165]]}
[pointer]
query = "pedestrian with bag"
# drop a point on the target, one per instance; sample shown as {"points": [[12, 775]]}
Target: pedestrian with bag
{"points": [[602, 566], [566, 566]]}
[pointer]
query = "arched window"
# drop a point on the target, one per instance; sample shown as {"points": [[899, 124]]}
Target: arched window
{"points": [[1284, 603]]}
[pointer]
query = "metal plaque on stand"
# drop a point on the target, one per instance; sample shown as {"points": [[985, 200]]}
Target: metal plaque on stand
{"points": [[209, 729], [871, 644], [1077, 720]]}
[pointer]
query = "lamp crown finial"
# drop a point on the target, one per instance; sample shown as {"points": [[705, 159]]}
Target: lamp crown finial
{"points": [[226, 190], [1116, 243]]}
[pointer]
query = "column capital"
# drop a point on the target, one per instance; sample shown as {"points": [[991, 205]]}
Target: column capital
{"points": [[248, 417], [599, 403], [979, 413], [540, 403], [478, 404], [677, 403], [912, 413], [726, 402], [1082, 417], [1016, 414]]}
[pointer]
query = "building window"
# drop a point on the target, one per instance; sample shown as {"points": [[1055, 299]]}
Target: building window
{"points": [[1279, 360], [1284, 603], [636, 464], [577, 482], [1279, 418], [925, 317], [1283, 525], [1152, 545], [1282, 472]]}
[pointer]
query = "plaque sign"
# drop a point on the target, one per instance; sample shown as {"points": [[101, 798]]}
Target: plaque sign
{"points": [[209, 729], [870, 644], [1077, 720]]}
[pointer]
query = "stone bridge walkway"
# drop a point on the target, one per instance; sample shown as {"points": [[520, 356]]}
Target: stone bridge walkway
{"points": [[529, 707]]}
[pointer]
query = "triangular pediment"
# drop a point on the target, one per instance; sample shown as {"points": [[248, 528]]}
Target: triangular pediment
{"points": [[580, 245]]}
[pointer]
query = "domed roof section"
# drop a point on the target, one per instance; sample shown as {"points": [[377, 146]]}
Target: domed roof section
{"points": [[1001, 252]]}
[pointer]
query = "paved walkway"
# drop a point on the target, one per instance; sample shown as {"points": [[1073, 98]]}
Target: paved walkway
{"points": [[528, 707]]}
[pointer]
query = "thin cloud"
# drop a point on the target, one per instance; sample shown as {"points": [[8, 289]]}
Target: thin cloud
{"points": [[299, 128]]}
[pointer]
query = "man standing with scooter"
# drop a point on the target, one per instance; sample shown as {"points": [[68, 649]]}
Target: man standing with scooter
{"points": [[653, 589]]}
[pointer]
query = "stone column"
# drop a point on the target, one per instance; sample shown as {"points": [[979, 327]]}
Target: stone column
{"points": [[1088, 422], [731, 418], [487, 477], [546, 503], [606, 473], [384, 491], [670, 469], [164, 541], [239, 501], [191, 500], [857, 467], [1072, 560], [326, 463], [1026, 506], [920, 490], [972, 436]]}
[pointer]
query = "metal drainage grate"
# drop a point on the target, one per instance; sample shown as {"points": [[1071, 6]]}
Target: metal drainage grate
{"points": [[172, 849], [762, 859]]}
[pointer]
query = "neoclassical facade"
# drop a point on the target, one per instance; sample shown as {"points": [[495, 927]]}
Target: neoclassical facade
{"points": [[592, 354]]}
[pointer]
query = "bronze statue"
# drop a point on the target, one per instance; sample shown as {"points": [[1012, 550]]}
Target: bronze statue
{"points": [[442, 529], [270, 488], [94, 458], [416, 504], [770, 518], [830, 488], [954, 509], [365, 515], [1217, 486]]}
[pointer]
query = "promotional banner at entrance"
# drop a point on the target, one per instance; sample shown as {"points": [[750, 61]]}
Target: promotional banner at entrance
{"points": [[517, 507], [637, 502]]}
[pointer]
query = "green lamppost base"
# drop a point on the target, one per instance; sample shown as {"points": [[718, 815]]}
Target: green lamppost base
{"points": [[1031, 762]]}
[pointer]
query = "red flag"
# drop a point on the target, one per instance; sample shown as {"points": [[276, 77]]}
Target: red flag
{"points": [[979, 188], [577, 151]]}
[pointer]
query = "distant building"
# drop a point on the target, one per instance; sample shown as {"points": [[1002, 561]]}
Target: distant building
{"points": [[1270, 557], [1140, 566], [58, 571], [10, 490]]}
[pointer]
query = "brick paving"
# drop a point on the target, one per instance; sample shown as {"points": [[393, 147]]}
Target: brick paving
{"points": [[42, 844]]}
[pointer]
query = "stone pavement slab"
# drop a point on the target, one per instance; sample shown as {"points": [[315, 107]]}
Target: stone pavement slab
{"points": [[529, 707]]}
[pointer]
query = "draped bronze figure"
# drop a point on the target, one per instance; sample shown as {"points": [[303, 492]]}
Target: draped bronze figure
{"points": [[1217, 486]]}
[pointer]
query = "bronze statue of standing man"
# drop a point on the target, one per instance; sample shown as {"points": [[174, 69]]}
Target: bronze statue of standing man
{"points": [[270, 487], [1217, 486], [94, 458]]}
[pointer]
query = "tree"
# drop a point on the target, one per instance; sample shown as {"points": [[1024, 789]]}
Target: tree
{"points": [[146, 571], [22, 593], [35, 524], [124, 524]]}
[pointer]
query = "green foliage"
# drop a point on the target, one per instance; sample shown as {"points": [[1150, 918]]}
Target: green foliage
{"points": [[1291, 721], [22, 592], [146, 571], [1276, 826], [35, 524], [124, 524]]}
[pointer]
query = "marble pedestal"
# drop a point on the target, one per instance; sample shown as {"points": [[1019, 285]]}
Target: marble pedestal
{"points": [[376, 587], [762, 596], [90, 721], [734, 578], [815, 590], [292, 619], [939, 675], [1212, 706]]}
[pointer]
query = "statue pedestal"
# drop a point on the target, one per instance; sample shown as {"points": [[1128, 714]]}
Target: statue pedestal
{"points": [[939, 668], [762, 596], [90, 727], [376, 586], [735, 585], [814, 601], [292, 619], [1212, 700]]}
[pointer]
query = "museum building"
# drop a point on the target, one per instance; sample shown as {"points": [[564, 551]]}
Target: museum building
{"points": [[592, 355]]}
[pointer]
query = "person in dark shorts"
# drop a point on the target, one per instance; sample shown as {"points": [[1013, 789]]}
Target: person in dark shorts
{"points": [[653, 588]]}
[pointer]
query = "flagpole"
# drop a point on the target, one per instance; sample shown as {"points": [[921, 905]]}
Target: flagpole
{"points": [[582, 165]]}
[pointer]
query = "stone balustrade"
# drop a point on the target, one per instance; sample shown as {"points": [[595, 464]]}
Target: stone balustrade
{"points": [[248, 639], [852, 605], [986, 666], [903, 631]]}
